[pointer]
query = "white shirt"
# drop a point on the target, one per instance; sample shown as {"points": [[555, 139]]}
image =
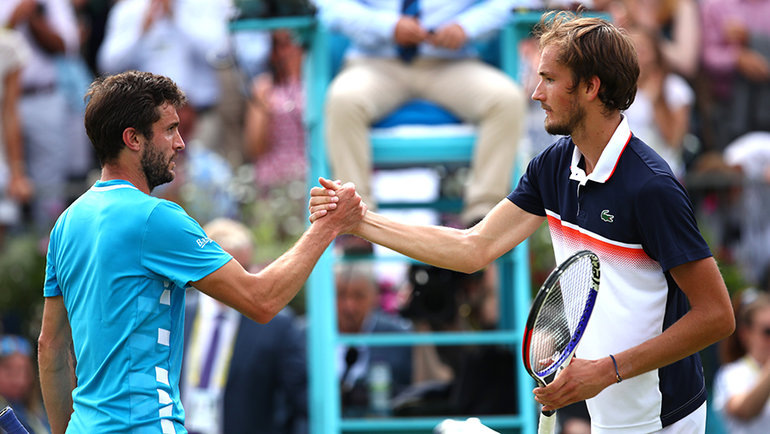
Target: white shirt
{"points": [[641, 119], [40, 69], [370, 24], [204, 405], [732, 379], [181, 47]]}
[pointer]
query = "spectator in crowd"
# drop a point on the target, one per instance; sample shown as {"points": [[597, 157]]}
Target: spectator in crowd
{"points": [[15, 187], [660, 113], [74, 76], [251, 378], [456, 379], [742, 384], [677, 23], [425, 52], [736, 61], [183, 40], [358, 312], [748, 157], [92, 15], [274, 133], [18, 384], [50, 29]]}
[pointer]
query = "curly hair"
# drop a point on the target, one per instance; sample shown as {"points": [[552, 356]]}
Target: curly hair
{"points": [[126, 100]]}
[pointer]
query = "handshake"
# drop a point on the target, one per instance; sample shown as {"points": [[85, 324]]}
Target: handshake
{"points": [[337, 207], [336, 204]]}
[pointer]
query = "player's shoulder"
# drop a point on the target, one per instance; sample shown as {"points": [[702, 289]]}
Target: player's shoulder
{"points": [[646, 167]]}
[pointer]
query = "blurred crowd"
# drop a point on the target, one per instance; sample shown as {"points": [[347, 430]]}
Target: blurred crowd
{"points": [[701, 104]]}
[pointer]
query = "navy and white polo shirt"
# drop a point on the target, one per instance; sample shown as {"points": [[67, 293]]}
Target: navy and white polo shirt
{"points": [[633, 213]]}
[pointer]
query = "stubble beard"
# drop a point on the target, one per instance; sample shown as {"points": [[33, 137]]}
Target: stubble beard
{"points": [[568, 127], [156, 167]]}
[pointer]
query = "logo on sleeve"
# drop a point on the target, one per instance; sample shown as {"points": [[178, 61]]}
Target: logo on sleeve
{"points": [[607, 217], [202, 242]]}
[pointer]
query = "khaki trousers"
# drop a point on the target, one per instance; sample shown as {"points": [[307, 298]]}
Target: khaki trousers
{"points": [[368, 89]]}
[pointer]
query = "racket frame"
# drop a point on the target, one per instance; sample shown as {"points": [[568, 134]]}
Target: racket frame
{"points": [[10, 423], [542, 294]]}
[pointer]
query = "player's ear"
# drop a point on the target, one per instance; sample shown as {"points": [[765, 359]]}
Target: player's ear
{"points": [[131, 139], [591, 87]]}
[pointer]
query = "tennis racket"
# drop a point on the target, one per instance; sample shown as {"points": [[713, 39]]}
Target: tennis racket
{"points": [[557, 320], [10, 423]]}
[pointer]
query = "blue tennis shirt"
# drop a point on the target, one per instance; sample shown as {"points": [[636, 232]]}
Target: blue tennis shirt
{"points": [[121, 259]]}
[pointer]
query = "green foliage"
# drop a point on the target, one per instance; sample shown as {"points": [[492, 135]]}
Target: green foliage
{"points": [[734, 278], [541, 260], [22, 267]]}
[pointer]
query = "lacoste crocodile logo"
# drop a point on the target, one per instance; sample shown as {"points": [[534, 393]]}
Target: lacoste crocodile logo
{"points": [[607, 217]]}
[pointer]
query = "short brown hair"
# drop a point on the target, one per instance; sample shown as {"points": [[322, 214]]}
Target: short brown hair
{"points": [[126, 100], [593, 47]]}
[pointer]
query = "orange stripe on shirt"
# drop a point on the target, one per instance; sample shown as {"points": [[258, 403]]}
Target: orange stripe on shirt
{"points": [[574, 238]]}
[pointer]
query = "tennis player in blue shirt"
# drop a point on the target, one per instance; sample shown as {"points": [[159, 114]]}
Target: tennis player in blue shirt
{"points": [[118, 263], [600, 188]]}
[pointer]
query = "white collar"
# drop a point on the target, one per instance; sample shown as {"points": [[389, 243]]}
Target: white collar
{"points": [[608, 160]]}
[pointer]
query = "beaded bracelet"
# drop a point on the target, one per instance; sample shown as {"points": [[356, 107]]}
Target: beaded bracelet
{"points": [[617, 373]]}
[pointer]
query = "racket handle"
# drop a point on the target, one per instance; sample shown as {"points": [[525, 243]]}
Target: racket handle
{"points": [[549, 413], [547, 423], [10, 423]]}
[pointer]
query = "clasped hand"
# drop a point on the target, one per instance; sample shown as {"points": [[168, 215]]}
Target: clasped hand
{"points": [[410, 32], [333, 198]]}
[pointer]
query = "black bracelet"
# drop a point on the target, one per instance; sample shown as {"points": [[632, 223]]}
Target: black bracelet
{"points": [[617, 373]]}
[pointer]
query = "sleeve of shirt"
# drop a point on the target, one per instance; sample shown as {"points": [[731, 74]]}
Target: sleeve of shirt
{"points": [[485, 18], [51, 285], [366, 26], [62, 18], [667, 223], [6, 10], [526, 195], [730, 380], [13, 50], [678, 92], [121, 39], [175, 246], [207, 15]]}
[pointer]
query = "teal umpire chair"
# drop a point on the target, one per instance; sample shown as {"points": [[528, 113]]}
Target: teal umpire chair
{"points": [[400, 151]]}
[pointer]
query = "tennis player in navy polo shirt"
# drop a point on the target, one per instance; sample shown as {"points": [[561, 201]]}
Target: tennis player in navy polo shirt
{"points": [[601, 188]]}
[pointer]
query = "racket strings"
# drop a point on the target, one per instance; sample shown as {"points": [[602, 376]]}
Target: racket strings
{"points": [[561, 316]]}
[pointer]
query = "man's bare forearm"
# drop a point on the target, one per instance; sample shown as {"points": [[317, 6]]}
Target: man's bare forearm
{"points": [[57, 382], [436, 245], [57, 364], [466, 250]]}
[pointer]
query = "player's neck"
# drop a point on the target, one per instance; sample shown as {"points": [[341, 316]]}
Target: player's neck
{"points": [[113, 171], [593, 136]]}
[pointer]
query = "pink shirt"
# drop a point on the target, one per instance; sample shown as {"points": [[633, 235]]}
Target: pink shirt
{"points": [[719, 56], [286, 160]]}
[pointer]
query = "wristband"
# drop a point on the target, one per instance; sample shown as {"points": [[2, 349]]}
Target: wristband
{"points": [[617, 373]]}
